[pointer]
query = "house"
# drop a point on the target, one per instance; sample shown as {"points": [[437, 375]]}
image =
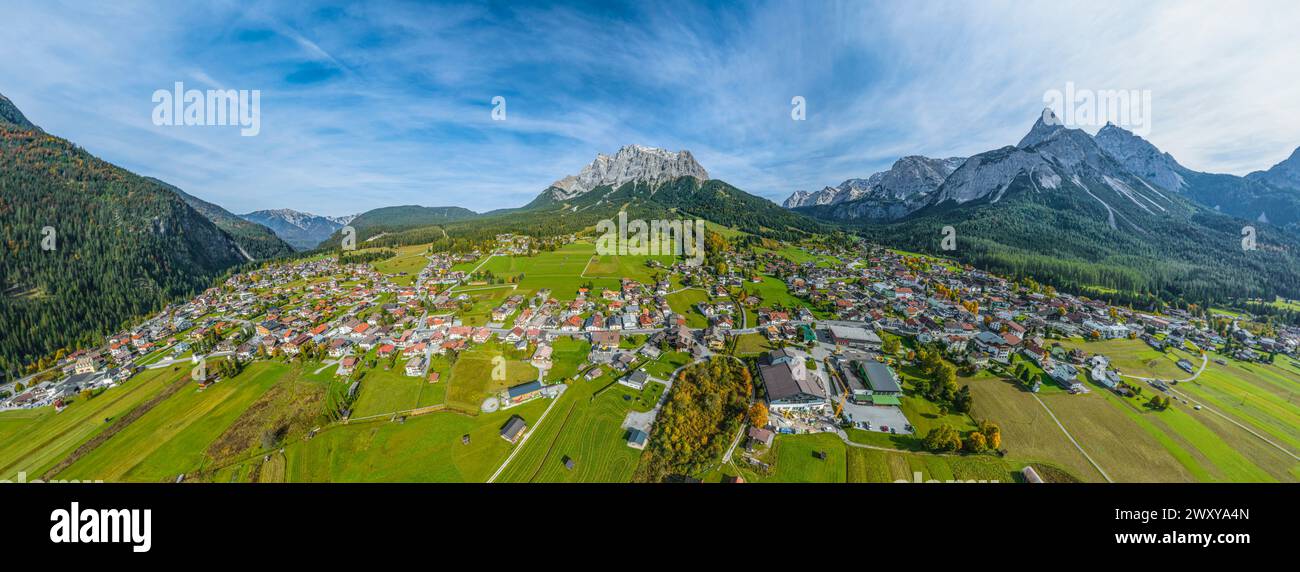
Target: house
{"points": [[415, 367], [635, 380], [542, 357], [994, 345], [347, 365], [636, 438], [761, 436], [513, 429], [788, 383], [524, 392], [1065, 375], [605, 340]]}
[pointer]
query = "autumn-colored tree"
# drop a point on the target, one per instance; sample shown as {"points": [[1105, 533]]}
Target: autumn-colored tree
{"points": [[976, 443], [942, 438], [758, 414], [992, 434]]}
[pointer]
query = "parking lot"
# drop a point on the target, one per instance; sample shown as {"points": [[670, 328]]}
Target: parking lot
{"points": [[878, 416]]}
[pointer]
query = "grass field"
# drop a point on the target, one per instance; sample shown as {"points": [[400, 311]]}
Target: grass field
{"points": [[426, 448], [471, 376], [792, 461], [568, 356], [483, 299], [684, 302], [1135, 357], [36, 439], [409, 259], [627, 266], [1196, 445], [874, 466], [386, 391], [585, 428], [560, 270], [666, 364], [171, 438], [752, 345], [1028, 433], [1261, 396], [924, 414], [773, 292]]}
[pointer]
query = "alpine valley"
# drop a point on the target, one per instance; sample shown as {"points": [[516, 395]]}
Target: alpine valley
{"points": [[1107, 215]]}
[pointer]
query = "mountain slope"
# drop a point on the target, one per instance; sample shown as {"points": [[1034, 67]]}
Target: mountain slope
{"points": [[303, 231], [1284, 175], [9, 114], [1059, 208], [124, 245], [1263, 196], [255, 240]]}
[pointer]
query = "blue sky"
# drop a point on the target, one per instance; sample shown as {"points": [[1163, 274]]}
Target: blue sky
{"points": [[375, 104]]}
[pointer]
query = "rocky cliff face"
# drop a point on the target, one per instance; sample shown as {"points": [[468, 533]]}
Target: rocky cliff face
{"points": [[1142, 158], [633, 163]]}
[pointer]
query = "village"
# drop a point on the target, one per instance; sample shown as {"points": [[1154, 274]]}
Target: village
{"points": [[827, 336]]}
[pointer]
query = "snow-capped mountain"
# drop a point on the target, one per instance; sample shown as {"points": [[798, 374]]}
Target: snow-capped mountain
{"points": [[343, 220], [886, 195], [301, 230], [632, 163]]}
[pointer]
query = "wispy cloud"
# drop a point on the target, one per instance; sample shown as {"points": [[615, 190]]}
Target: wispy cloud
{"points": [[366, 105]]}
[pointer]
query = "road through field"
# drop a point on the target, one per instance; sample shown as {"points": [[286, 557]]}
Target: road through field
{"points": [[1205, 360], [1071, 438], [530, 432]]}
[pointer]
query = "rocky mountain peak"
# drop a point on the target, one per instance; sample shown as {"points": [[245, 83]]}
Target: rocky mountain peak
{"points": [[884, 195], [1044, 128], [1141, 157], [632, 163]]}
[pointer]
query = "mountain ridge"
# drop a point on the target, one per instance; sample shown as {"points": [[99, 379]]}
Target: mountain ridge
{"points": [[301, 230]]}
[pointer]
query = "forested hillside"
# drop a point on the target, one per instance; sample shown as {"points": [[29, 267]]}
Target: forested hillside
{"points": [[122, 245], [258, 241], [1063, 239]]}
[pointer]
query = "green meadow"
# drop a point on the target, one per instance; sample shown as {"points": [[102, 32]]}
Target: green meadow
{"points": [[37, 439]]}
